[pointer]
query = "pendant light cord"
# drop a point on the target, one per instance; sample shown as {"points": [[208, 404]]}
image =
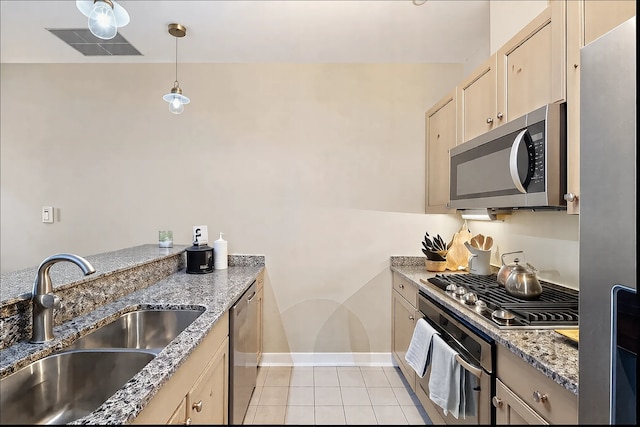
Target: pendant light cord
{"points": [[176, 82]]}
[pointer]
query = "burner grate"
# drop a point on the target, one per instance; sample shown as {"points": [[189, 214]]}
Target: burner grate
{"points": [[556, 306]]}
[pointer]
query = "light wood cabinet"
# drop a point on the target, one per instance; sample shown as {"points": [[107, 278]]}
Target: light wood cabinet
{"points": [[477, 102], [440, 133], [198, 392], [260, 304], [403, 318], [586, 21], [526, 396], [511, 410], [531, 65]]}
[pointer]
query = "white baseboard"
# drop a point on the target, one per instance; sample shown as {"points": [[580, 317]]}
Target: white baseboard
{"points": [[327, 359]]}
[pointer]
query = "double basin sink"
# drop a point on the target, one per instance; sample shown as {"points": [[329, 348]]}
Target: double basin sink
{"points": [[76, 380]]}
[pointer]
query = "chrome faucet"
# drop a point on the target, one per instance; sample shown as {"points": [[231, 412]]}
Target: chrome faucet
{"points": [[44, 301]]}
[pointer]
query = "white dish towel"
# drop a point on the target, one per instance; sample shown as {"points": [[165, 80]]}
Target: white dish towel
{"points": [[419, 353], [447, 379]]}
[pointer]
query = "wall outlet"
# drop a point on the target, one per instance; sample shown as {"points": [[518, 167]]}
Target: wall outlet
{"points": [[47, 214], [201, 234]]}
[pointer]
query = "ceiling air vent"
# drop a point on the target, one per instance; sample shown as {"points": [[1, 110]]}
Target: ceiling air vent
{"points": [[87, 44]]}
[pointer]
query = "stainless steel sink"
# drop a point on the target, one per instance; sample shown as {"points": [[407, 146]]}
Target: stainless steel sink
{"points": [[66, 386], [141, 329], [75, 381]]}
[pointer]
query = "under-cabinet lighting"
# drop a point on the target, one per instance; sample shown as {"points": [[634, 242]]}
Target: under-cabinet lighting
{"points": [[483, 215]]}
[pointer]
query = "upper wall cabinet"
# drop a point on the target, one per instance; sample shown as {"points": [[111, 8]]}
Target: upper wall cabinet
{"points": [[440, 133], [586, 21], [531, 65], [477, 107]]}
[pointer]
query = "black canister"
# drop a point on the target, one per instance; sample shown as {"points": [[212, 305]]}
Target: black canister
{"points": [[199, 259]]}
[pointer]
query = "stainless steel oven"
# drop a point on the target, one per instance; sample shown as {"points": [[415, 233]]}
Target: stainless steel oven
{"points": [[476, 353]]}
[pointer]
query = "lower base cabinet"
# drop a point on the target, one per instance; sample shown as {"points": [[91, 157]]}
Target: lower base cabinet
{"points": [[524, 395], [196, 395]]}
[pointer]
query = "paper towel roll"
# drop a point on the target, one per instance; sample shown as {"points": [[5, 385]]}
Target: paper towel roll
{"points": [[220, 261]]}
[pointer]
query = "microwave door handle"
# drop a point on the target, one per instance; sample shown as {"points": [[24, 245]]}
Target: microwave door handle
{"points": [[513, 161]]}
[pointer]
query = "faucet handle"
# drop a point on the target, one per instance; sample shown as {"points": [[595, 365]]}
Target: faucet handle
{"points": [[48, 301]]}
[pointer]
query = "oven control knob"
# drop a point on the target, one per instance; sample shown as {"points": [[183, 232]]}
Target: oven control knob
{"points": [[451, 287], [539, 397], [460, 291], [497, 402]]}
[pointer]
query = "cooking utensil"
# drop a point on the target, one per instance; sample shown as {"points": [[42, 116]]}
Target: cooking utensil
{"points": [[488, 243], [522, 282], [505, 270]]}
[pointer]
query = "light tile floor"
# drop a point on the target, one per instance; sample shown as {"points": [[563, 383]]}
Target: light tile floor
{"points": [[333, 395]]}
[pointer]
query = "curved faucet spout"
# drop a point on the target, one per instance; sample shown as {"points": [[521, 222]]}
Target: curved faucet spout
{"points": [[43, 299]]}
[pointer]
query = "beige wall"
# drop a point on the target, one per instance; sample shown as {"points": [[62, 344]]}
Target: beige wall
{"points": [[318, 167]]}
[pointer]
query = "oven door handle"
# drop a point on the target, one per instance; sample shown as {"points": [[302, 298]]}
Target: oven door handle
{"points": [[477, 372]]}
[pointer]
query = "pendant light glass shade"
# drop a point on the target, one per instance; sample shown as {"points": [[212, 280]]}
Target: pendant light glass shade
{"points": [[105, 17], [175, 98]]}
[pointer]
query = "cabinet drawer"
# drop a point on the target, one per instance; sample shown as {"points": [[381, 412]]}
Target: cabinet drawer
{"points": [[408, 290], [558, 405]]}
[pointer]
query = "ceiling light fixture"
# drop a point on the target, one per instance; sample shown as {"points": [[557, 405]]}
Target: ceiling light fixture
{"points": [[105, 17], [175, 98]]}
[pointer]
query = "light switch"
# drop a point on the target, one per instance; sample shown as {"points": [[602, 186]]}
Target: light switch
{"points": [[47, 214]]}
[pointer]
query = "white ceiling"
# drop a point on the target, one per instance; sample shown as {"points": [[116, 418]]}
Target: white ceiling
{"points": [[290, 31]]}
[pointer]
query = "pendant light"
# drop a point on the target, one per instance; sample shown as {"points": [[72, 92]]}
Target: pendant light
{"points": [[175, 98], [105, 17]]}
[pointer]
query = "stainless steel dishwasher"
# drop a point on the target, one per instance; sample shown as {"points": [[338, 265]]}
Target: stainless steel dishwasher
{"points": [[243, 360]]}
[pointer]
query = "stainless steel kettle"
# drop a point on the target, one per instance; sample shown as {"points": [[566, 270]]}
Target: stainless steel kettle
{"points": [[522, 282], [505, 269]]}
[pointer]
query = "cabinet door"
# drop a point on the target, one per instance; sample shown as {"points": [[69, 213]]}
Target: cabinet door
{"points": [[531, 66], [511, 410], [477, 109], [601, 16], [441, 137], [404, 321], [260, 327], [586, 21], [208, 399], [180, 415]]}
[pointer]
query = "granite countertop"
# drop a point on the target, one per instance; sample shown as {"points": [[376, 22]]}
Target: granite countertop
{"points": [[18, 285], [213, 293], [544, 349]]}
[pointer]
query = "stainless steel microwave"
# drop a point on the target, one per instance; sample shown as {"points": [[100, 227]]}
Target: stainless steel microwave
{"points": [[521, 164]]}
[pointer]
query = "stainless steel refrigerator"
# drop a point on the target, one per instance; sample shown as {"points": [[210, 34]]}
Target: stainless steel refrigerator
{"points": [[608, 289]]}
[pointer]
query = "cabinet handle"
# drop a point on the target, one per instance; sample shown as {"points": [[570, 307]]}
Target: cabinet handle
{"points": [[499, 115], [489, 120], [197, 406], [539, 397], [187, 422], [411, 318], [401, 286], [570, 197], [497, 402]]}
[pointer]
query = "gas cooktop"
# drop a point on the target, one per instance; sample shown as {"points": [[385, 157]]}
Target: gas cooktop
{"points": [[556, 307]]}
